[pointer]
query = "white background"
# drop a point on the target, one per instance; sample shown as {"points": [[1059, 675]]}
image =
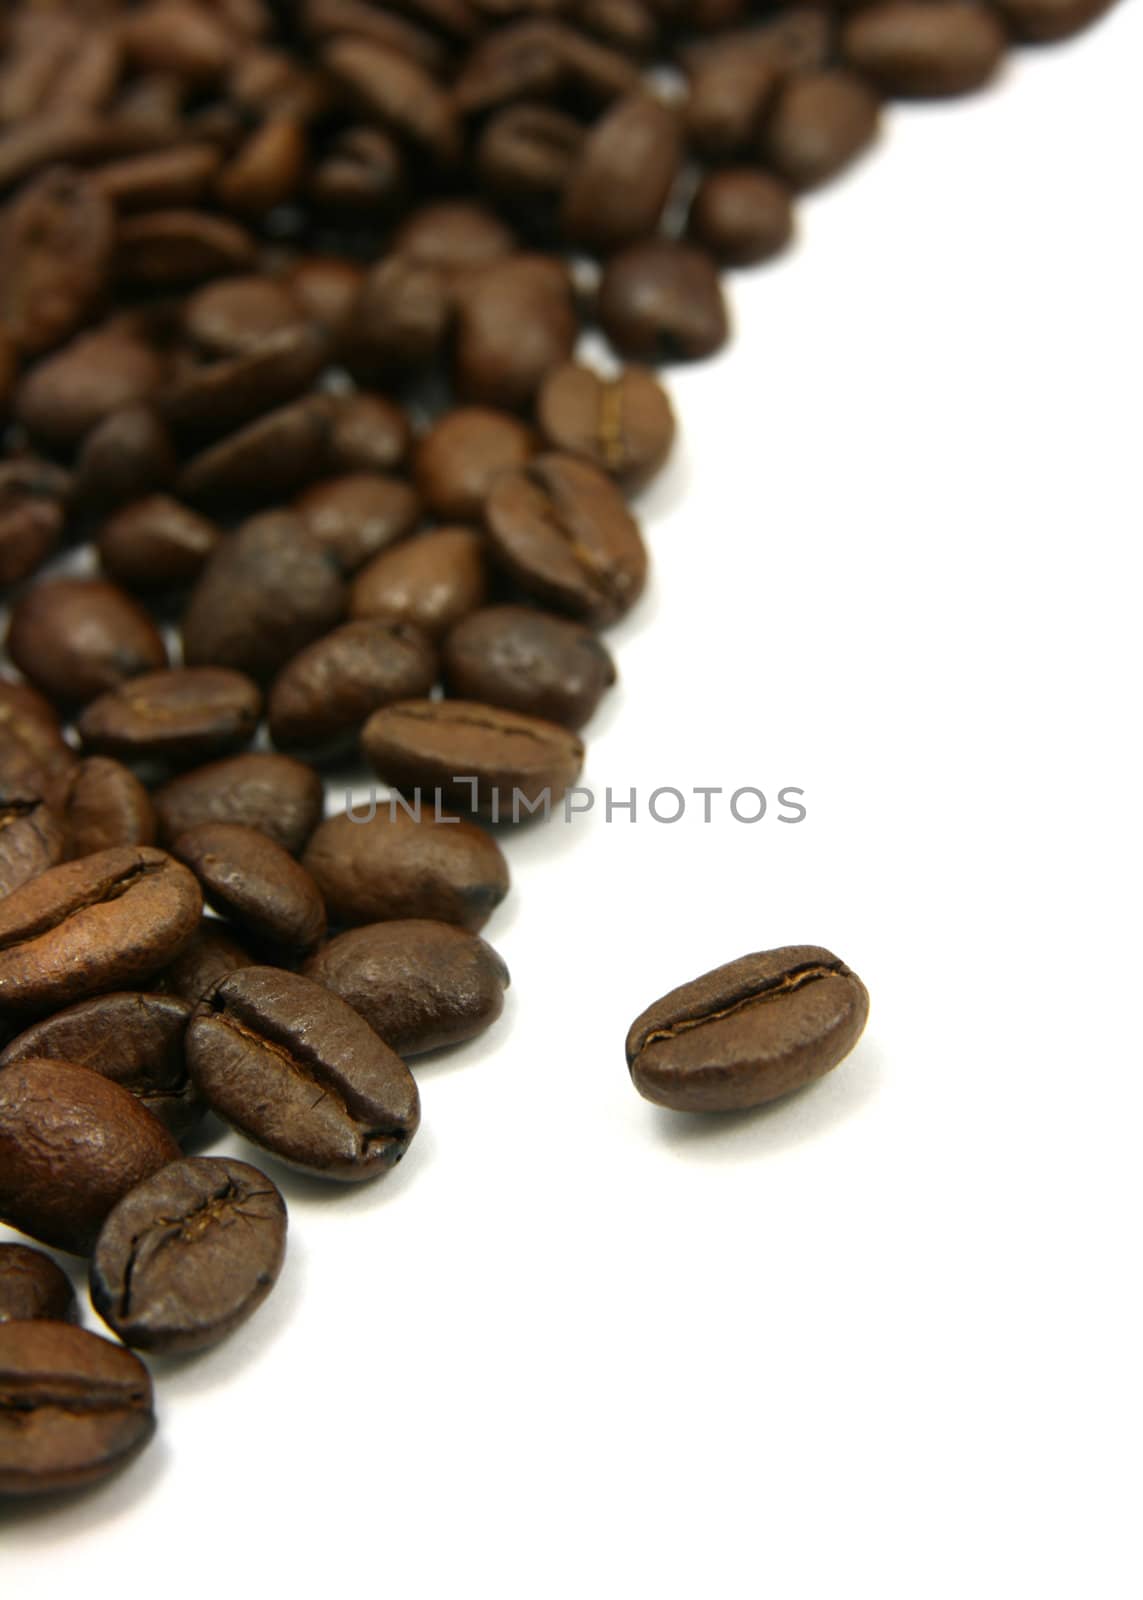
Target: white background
{"points": [[882, 1339]]}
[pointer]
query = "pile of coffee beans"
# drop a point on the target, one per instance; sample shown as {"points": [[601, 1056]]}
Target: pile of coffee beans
{"points": [[290, 299]]}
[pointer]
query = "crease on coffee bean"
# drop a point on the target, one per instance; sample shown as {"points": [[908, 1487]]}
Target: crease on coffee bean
{"points": [[478, 720], [602, 577], [105, 895], [776, 989], [610, 430], [88, 1397], [165, 1231]]}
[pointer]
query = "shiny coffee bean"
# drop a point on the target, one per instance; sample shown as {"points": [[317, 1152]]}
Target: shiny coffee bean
{"points": [[661, 301], [75, 638], [74, 1408], [34, 756], [429, 582], [32, 837], [299, 1073], [563, 531], [189, 1255], [358, 515], [925, 48], [211, 954], [748, 1032], [527, 661], [383, 863], [624, 173], [103, 806], [623, 425], [321, 698], [741, 216], [155, 544], [820, 123], [252, 881], [135, 1040], [72, 1144], [104, 922], [515, 321], [279, 796], [419, 985], [181, 716], [461, 454], [33, 1287]]}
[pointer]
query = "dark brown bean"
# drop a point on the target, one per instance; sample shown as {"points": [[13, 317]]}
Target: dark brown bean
{"points": [[210, 955], [461, 454], [265, 461], [625, 171], [527, 661], [623, 425], [358, 515], [748, 1032], [819, 125], [925, 48], [34, 757], [156, 543], [1043, 20], [77, 637], [361, 171], [179, 37], [321, 698], [170, 249], [33, 1287], [662, 301], [65, 395], [419, 985], [160, 180], [526, 155], [274, 793], [401, 318], [741, 216], [368, 433], [104, 806], [515, 321], [233, 316], [30, 529], [266, 171], [32, 838], [398, 93], [453, 236], [210, 400], [123, 458], [182, 716], [430, 582], [542, 59], [730, 93], [252, 881], [56, 243], [327, 288]]}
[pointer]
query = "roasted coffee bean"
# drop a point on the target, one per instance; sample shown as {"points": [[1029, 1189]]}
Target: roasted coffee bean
{"points": [[214, 398], [189, 1255], [88, 926], [327, 288], [252, 881], [67, 394], [104, 805], [730, 92], [661, 301], [925, 48], [623, 425], [820, 124], [563, 531], [321, 698], [430, 582], [419, 985], [156, 544], [32, 838], [362, 171], [741, 216], [33, 1287], [74, 1408], [625, 171], [233, 316], [527, 661], [542, 59], [453, 236], [461, 454], [135, 1040], [265, 461], [172, 249], [627, 25], [266, 171], [56, 240], [34, 757], [124, 458], [401, 318], [748, 1032], [266, 592], [384, 863], [299, 1073], [273, 793], [30, 529], [160, 180], [179, 37], [479, 758], [75, 638], [1044, 20], [399, 94], [358, 515], [73, 1143], [526, 155], [210, 955], [515, 321], [182, 716], [368, 433]]}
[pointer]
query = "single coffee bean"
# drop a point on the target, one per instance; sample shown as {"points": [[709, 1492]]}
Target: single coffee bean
{"points": [[88, 926], [363, 171], [429, 582], [327, 288], [178, 37], [212, 399], [320, 699], [155, 544], [32, 515], [234, 315], [105, 805], [160, 180], [820, 123], [530, 662], [748, 1032], [136, 1040], [299, 1073], [56, 240], [368, 433], [623, 425], [625, 171], [268, 591], [461, 454], [515, 321], [542, 59], [123, 458], [74, 638], [526, 155], [64, 396], [34, 757], [264, 461], [453, 236], [398, 93], [564, 532], [383, 864], [1041, 21], [358, 515], [279, 796], [730, 92], [741, 216], [189, 1255], [32, 838], [662, 301], [255, 883], [267, 170], [33, 1287], [72, 1144], [210, 955], [401, 318], [74, 1408], [181, 716], [419, 985], [173, 249], [480, 758], [925, 48]]}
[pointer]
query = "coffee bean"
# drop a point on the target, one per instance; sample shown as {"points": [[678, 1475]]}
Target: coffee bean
{"points": [[321, 698], [327, 288], [394, 865], [160, 180], [67, 394], [541, 59], [661, 301], [255, 883], [741, 216], [1044, 20], [564, 532], [267, 170], [178, 37], [104, 805], [398, 93], [73, 1143], [748, 1032], [820, 124], [32, 839], [77, 637], [625, 171], [358, 515], [462, 453], [213, 398], [401, 318], [170, 249], [124, 458], [34, 757], [56, 241], [623, 425], [211, 954], [180, 717], [264, 461], [363, 171], [526, 154], [453, 236], [527, 661], [368, 433], [100, 923], [299, 1073], [266, 592], [730, 92], [33, 1287], [419, 985], [189, 1255], [515, 321], [155, 543], [429, 582], [135, 1040], [274, 793], [31, 519], [232, 316], [925, 48], [74, 1408]]}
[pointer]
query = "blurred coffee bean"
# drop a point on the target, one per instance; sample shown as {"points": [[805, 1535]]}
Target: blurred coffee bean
{"points": [[925, 48], [181, 716], [172, 249], [274, 793], [623, 425], [155, 544], [526, 155], [431, 581], [730, 93], [160, 180], [624, 173], [265, 461], [515, 321], [266, 171], [124, 458], [233, 316], [320, 699], [362, 171], [401, 319], [460, 456], [530, 662], [75, 638], [67, 394], [741, 216], [1040, 21], [661, 301], [453, 236], [56, 241], [399, 94], [33, 509], [368, 433], [327, 289], [209, 400], [33, 753], [356, 516], [820, 123]]}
